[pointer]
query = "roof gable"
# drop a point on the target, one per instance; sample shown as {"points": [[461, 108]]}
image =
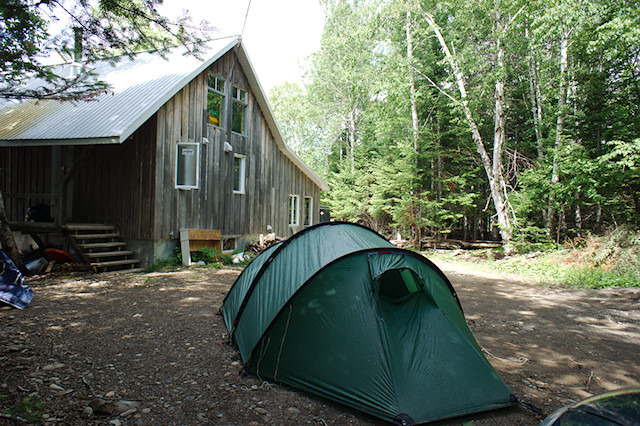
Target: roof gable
{"points": [[139, 87]]}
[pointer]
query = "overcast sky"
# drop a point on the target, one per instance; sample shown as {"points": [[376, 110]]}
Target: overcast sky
{"points": [[278, 34]]}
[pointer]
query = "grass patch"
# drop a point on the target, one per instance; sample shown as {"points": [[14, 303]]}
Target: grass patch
{"points": [[204, 258], [28, 410], [576, 268], [598, 277], [163, 265]]}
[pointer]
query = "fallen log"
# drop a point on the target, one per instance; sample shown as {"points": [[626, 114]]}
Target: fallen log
{"points": [[459, 244]]}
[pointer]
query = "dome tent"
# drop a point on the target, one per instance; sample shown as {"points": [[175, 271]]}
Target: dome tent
{"points": [[339, 311]]}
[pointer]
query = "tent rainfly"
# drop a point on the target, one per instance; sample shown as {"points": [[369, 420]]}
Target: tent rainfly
{"points": [[338, 311]]}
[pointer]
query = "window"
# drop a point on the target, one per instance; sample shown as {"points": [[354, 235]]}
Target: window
{"points": [[228, 244], [239, 111], [294, 207], [215, 100], [238, 173], [308, 211], [187, 165]]}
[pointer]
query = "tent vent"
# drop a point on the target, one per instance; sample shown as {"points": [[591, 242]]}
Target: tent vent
{"points": [[397, 284]]}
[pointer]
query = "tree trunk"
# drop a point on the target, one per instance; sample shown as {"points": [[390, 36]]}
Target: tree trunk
{"points": [[578, 212], [6, 238], [562, 225], [493, 170], [352, 138], [499, 134], [536, 101], [562, 96], [415, 125]]}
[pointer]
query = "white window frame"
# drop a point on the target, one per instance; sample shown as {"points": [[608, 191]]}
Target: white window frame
{"points": [[308, 219], [243, 168], [240, 101], [188, 145], [221, 114], [294, 210]]}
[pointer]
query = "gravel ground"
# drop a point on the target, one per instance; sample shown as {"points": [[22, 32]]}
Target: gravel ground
{"points": [[116, 349]]}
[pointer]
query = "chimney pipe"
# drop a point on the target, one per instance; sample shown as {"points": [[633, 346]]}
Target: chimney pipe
{"points": [[77, 48], [77, 52]]}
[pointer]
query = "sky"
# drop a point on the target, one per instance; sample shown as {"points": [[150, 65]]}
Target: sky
{"points": [[278, 34]]}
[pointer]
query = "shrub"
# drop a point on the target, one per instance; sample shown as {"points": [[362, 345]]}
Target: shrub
{"points": [[596, 277], [532, 239], [210, 256]]}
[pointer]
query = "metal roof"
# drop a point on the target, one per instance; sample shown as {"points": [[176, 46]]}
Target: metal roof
{"points": [[138, 88]]}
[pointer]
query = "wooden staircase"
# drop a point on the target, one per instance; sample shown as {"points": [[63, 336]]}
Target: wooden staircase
{"points": [[101, 247]]}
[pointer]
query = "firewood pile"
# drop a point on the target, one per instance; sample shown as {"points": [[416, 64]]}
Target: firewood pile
{"points": [[263, 243]]}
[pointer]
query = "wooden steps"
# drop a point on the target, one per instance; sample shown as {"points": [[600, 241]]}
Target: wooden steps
{"points": [[101, 247], [107, 254], [106, 245]]}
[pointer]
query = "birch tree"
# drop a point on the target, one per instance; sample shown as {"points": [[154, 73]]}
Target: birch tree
{"points": [[462, 101], [492, 165], [556, 29], [340, 71]]}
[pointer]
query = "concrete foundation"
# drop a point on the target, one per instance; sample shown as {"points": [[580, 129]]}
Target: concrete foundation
{"points": [[150, 252]]}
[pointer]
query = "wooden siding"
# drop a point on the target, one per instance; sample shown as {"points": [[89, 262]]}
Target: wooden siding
{"points": [[115, 184], [132, 185], [269, 175], [25, 179]]}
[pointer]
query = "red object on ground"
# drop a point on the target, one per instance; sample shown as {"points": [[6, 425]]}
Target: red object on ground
{"points": [[59, 255]]}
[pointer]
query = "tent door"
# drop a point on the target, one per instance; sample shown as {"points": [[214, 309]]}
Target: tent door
{"points": [[396, 285]]}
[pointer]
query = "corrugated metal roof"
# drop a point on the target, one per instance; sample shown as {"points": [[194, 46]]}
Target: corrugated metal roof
{"points": [[138, 88]]}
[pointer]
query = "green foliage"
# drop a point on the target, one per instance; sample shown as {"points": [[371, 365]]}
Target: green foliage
{"points": [[532, 239], [609, 261], [347, 198], [594, 263], [29, 409], [303, 125], [594, 277], [211, 259], [167, 264], [110, 28], [206, 255], [353, 119]]}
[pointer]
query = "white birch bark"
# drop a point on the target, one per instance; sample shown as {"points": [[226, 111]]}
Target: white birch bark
{"points": [[493, 168], [562, 97], [536, 101], [415, 125]]}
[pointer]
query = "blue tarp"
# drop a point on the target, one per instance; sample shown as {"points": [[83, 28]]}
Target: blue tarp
{"points": [[13, 287]]}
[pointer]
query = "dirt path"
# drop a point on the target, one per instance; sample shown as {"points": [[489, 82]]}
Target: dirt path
{"points": [[149, 349], [553, 346]]}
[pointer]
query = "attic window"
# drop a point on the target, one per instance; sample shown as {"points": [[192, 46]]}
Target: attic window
{"points": [[215, 100], [397, 285], [239, 110]]}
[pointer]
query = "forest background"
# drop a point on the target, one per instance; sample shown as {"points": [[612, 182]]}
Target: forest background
{"points": [[487, 120], [495, 120]]}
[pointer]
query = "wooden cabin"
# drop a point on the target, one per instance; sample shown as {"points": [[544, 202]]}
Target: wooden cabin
{"points": [[178, 142]]}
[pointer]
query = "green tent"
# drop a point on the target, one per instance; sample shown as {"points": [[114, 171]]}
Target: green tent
{"points": [[338, 311]]}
